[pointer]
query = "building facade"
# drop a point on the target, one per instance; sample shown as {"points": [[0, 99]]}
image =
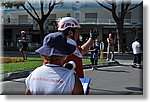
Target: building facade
{"points": [[89, 15]]}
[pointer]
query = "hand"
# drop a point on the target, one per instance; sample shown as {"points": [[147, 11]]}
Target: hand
{"points": [[20, 40], [70, 65], [94, 34]]}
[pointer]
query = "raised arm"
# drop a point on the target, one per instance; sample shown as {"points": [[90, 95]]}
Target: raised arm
{"points": [[85, 47], [93, 35]]}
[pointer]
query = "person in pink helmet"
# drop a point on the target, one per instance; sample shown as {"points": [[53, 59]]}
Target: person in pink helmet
{"points": [[70, 27]]}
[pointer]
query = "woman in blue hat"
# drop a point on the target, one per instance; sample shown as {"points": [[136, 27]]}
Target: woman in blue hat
{"points": [[52, 78]]}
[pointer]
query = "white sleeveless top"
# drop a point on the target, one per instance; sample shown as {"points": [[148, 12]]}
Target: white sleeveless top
{"points": [[51, 79]]}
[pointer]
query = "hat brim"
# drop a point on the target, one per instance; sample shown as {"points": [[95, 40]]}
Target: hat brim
{"points": [[61, 51]]}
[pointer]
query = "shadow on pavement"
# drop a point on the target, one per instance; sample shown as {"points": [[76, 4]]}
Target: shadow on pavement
{"points": [[134, 88], [94, 91], [110, 70], [125, 65]]}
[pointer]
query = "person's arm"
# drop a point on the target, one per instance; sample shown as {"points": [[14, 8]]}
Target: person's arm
{"points": [[78, 88], [93, 35], [27, 92], [139, 45], [114, 40], [85, 47], [25, 39], [92, 49], [108, 40]]}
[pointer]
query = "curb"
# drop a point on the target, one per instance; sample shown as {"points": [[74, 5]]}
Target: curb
{"points": [[111, 63], [15, 75], [21, 74]]}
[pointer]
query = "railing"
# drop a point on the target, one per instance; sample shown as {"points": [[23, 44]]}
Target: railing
{"points": [[111, 21], [15, 47], [16, 21], [86, 21]]}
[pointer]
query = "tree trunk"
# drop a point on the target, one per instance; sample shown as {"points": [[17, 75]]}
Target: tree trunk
{"points": [[41, 32], [120, 35]]}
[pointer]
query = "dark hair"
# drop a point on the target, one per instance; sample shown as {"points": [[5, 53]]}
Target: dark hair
{"points": [[112, 35], [65, 32], [137, 38]]}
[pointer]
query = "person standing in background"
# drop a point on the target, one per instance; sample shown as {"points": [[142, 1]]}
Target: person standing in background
{"points": [[137, 53], [24, 45], [111, 43], [94, 54]]}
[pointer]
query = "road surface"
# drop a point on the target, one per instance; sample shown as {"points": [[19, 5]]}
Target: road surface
{"points": [[112, 80]]}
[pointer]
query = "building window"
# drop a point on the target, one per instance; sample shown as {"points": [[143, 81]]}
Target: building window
{"points": [[127, 17], [8, 19], [23, 19], [77, 1], [52, 16], [68, 15], [90, 17]]}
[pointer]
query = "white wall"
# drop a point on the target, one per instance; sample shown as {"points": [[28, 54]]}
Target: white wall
{"points": [[101, 13]]}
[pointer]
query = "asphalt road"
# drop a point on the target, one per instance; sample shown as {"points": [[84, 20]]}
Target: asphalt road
{"points": [[113, 80], [116, 80]]}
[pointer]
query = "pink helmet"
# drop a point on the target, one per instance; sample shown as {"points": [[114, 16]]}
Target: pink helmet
{"points": [[67, 22]]}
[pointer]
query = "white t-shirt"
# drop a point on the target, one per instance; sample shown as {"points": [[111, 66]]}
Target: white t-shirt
{"points": [[136, 47], [51, 79]]}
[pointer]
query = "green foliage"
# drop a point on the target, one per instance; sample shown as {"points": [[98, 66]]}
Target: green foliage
{"points": [[87, 61], [32, 63]]}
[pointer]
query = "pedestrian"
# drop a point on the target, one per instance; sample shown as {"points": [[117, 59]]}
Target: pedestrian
{"points": [[52, 78], [134, 31], [136, 47], [24, 45], [110, 47], [94, 55], [70, 27]]}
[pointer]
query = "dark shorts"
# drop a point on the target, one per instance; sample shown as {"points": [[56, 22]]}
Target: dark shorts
{"points": [[24, 48]]}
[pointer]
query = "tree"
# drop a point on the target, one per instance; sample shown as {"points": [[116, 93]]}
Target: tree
{"points": [[39, 18], [124, 7]]}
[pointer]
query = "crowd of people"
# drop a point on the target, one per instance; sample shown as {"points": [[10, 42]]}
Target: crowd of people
{"points": [[60, 48]]}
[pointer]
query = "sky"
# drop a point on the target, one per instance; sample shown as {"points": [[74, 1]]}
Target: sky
{"points": [[68, 4]]}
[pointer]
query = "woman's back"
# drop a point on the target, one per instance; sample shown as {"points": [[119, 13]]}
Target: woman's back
{"points": [[51, 79]]}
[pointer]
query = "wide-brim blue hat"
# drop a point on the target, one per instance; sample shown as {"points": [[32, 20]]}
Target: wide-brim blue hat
{"points": [[57, 44]]}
